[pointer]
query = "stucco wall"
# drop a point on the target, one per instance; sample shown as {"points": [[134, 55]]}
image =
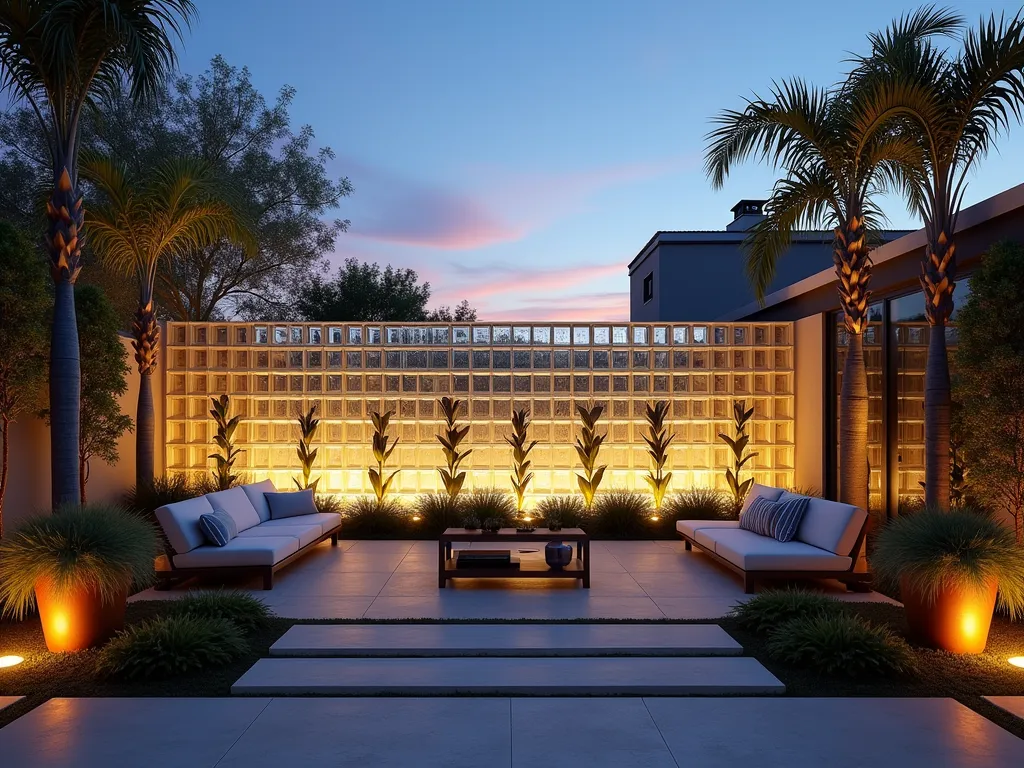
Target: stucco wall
{"points": [[29, 480], [809, 383]]}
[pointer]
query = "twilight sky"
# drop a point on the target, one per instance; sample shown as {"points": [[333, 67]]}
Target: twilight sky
{"points": [[519, 153]]}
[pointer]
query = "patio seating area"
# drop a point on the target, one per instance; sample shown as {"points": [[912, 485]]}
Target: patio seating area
{"points": [[398, 580]]}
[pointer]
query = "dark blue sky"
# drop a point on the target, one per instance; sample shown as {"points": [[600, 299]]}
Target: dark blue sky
{"points": [[521, 153]]}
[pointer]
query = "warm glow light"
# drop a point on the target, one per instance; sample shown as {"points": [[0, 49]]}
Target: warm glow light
{"points": [[416, 518], [1016, 661], [654, 518], [10, 661], [60, 624], [969, 625]]}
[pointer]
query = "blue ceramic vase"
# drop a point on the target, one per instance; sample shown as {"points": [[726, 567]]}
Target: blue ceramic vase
{"points": [[557, 555]]}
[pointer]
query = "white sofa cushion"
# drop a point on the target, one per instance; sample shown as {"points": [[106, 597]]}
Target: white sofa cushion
{"points": [[689, 527], [255, 493], [831, 525], [235, 502], [753, 552], [244, 550], [705, 537], [326, 520], [180, 522], [760, 491], [306, 534]]}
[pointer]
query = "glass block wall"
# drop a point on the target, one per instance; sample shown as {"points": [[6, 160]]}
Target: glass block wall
{"points": [[274, 372]]}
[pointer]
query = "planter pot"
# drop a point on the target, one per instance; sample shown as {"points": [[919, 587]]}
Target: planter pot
{"points": [[557, 555], [958, 621], [78, 618]]}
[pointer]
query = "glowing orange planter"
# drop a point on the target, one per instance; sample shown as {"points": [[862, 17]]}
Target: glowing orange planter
{"points": [[78, 618], [958, 621]]}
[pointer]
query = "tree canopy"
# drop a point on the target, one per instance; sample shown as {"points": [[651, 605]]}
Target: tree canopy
{"points": [[364, 291]]}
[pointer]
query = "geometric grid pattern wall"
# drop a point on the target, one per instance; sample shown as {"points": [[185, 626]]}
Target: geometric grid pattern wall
{"points": [[275, 372]]}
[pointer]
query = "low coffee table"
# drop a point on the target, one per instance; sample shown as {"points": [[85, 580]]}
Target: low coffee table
{"points": [[578, 567]]}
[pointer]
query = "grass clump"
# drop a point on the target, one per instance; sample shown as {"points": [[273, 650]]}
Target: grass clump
{"points": [[438, 511], [368, 518], [567, 511], [840, 644], [771, 609], [700, 504], [960, 549], [171, 646], [329, 503], [245, 611], [490, 503], [98, 546], [622, 515]]}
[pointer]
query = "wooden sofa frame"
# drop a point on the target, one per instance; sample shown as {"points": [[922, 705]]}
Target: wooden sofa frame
{"points": [[173, 575], [856, 581]]}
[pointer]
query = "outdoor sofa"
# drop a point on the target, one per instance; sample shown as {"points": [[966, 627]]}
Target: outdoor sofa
{"points": [[829, 543], [264, 543]]}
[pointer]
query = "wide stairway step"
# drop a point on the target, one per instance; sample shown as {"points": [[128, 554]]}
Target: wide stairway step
{"points": [[447, 639], [636, 676]]}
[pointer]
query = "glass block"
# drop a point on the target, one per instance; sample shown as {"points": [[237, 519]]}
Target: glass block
{"points": [[661, 360], [602, 335], [739, 335], [353, 383], [373, 335], [502, 334], [581, 359], [680, 334], [781, 358], [460, 383], [700, 359], [700, 334], [391, 383], [739, 358], [760, 358], [721, 359], [334, 383], [620, 383], [353, 359], [681, 383], [295, 334], [521, 334], [521, 383], [501, 360], [314, 335], [373, 359], [481, 358], [563, 409], [481, 409], [416, 359], [562, 336], [315, 359], [720, 335], [355, 334], [200, 358], [721, 384], [279, 360], [601, 383], [295, 383], [314, 383], [620, 409], [699, 383], [602, 358], [222, 335], [580, 383], [482, 334], [393, 359], [620, 359], [373, 383], [562, 359], [521, 359], [641, 384], [439, 359], [460, 335], [460, 359], [641, 359], [481, 383], [541, 409], [541, 334], [620, 335], [541, 383], [408, 383], [334, 334], [222, 358], [660, 335], [581, 336], [640, 334], [439, 335], [427, 384], [502, 383], [261, 334], [541, 359], [280, 384], [562, 384], [393, 335], [295, 359], [661, 383], [199, 335]]}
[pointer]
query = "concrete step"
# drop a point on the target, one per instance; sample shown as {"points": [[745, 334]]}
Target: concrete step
{"points": [[560, 676], [506, 640]]}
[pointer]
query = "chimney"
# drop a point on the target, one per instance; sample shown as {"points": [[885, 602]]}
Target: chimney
{"points": [[746, 215]]}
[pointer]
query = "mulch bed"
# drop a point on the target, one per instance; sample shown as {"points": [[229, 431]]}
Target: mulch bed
{"points": [[965, 678]]}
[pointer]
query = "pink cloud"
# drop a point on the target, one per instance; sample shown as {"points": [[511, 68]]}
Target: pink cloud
{"points": [[591, 307], [506, 280]]}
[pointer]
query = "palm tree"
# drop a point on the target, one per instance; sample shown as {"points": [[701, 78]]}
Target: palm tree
{"points": [[57, 55], [140, 224], [837, 153], [954, 105]]}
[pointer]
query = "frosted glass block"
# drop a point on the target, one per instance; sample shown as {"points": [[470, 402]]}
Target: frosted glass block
{"points": [[460, 384], [564, 456], [408, 435], [521, 359], [563, 409], [521, 334], [660, 384], [640, 334], [373, 335], [641, 384], [502, 334], [581, 384], [501, 360], [721, 359], [641, 359], [700, 334], [581, 335], [561, 336], [279, 360], [481, 433], [334, 335], [602, 384], [602, 335], [501, 409], [460, 335], [660, 335], [502, 384], [620, 383], [620, 433], [620, 335], [562, 359], [541, 334], [460, 359], [261, 334], [391, 383], [482, 334], [681, 334]]}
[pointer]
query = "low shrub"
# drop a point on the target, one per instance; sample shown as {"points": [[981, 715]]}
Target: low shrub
{"points": [[489, 503], [840, 644], [329, 503], [245, 611], [171, 646], [438, 511], [622, 515], [570, 511], [368, 518], [771, 609], [699, 504]]}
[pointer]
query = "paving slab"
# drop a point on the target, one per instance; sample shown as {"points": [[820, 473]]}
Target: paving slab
{"points": [[327, 640], [834, 732], [6, 701], [150, 732], [1012, 704], [595, 676]]}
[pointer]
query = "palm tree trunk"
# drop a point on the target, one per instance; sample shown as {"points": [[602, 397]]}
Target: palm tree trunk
{"points": [[852, 259], [147, 337], [64, 246], [938, 279], [83, 476]]}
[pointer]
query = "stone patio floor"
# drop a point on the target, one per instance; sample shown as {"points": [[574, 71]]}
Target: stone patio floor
{"points": [[398, 580], [474, 732]]}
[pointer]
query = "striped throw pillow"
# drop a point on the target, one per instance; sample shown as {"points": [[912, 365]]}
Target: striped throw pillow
{"points": [[777, 519], [218, 527]]}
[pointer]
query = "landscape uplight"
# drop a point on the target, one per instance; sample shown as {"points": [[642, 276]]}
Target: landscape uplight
{"points": [[1016, 661], [10, 661]]}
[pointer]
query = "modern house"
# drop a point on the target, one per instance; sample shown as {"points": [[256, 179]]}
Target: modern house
{"points": [[699, 275]]}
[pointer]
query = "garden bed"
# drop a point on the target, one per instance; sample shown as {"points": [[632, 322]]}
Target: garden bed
{"points": [[964, 678]]}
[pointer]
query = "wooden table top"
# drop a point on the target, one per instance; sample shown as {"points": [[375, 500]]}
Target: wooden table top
{"points": [[510, 534]]}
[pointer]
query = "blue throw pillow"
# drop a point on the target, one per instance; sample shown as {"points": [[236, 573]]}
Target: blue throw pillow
{"points": [[777, 519], [291, 504], [218, 527]]}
